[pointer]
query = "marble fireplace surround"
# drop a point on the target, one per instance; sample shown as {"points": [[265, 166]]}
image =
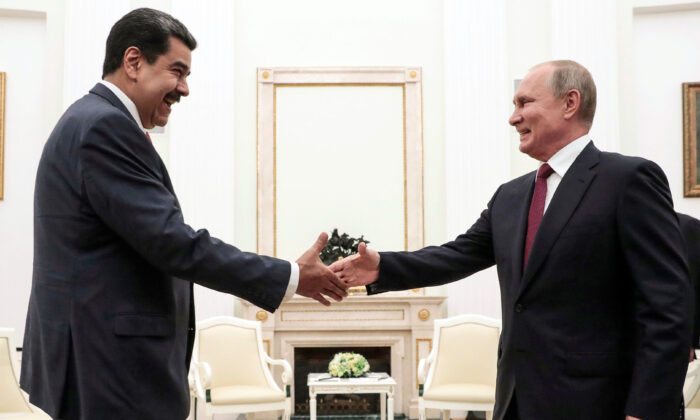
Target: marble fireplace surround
{"points": [[401, 321]]}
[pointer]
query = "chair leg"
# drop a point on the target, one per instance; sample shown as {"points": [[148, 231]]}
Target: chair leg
{"points": [[489, 415]]}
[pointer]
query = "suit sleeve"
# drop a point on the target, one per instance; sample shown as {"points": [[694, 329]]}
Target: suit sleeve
{"points": [[470, 252], [127, 192], [655, 257]]}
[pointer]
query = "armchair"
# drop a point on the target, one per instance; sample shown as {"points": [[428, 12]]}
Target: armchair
{"points": [[460, 371], [230, 369], [13, 402], [691, 395]]}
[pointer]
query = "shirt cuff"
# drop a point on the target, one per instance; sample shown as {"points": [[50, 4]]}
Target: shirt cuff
{"points": [[293, 282]]}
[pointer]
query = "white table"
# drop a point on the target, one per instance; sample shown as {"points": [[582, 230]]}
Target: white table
{"points": [[374, 383]]}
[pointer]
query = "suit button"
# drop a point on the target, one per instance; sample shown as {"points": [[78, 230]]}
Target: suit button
{"points": [[518, 308]]}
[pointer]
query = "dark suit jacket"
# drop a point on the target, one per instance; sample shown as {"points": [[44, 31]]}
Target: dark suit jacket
{"points": [[597, 326], [690, 229], [110, 328]]}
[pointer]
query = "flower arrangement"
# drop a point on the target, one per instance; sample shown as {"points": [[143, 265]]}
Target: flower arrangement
{"points": [[348, 365]]}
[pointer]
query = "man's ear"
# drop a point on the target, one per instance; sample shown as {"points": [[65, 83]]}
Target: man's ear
{"points": [[132, 62], [572, 103]]}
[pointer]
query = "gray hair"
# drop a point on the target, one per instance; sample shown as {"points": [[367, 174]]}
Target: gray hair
{"points": [[568, 75]]}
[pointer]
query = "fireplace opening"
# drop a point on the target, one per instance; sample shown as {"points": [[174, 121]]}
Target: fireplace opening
{"points": [[315, 360]]}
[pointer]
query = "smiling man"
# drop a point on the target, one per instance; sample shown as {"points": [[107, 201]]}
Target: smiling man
{"points": [[110, 324], [595, 295]]}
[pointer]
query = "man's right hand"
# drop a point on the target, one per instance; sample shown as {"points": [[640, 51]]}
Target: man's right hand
{"points": [[315, 279], [360, 269]]}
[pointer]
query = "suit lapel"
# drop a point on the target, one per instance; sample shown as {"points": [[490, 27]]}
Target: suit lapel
{"points": [[104, 92], [569, 193]]}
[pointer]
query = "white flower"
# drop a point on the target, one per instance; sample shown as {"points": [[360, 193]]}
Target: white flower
{"points": [[344, 365]]}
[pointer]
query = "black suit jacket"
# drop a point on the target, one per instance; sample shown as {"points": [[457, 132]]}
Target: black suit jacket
{"points": [[110, 323], [690, 229], [597, 326]]}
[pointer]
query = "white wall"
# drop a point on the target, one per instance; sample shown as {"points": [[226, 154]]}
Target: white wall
{"points": [[200, 135], [24, 61], [666, 56], [477, 106]]}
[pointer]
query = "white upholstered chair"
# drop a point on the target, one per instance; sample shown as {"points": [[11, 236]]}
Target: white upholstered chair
{"points": [[460, 371], [13, 402], [690, 391], [230, 369]]}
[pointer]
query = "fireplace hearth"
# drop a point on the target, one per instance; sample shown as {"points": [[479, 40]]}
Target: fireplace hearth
{"points": [[400, 325], [315, 359]]}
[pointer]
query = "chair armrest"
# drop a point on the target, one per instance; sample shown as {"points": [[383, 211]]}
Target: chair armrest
{"points": [[421, 371], [424, 366], [692, 381], [202, 378], [287, 374]]}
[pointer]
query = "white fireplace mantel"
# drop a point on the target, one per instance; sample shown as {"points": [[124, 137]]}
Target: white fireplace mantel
{"points": [[402, 322]]}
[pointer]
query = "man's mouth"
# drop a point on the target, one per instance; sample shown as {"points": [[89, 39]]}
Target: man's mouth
{"points": [[523, 131], [171, 99]]}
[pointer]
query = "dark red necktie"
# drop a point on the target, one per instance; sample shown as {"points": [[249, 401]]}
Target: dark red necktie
{"points": [[536, 208], [149, 136]]}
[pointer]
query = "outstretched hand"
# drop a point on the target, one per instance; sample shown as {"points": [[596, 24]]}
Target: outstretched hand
{"points": [[317, 280], [360, 269]]}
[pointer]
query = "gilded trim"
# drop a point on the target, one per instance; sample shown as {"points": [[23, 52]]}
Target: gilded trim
{"points": [[422, 167], [691, 188], [423, 314], [266, 137], [405, 173], [257, 168], [267, 347], [274, 171], [261, 316], [336, 311], [3, 77]]}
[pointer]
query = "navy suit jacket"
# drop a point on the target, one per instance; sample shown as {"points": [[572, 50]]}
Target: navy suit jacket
{"points": [[597, 325], [110, 324]]}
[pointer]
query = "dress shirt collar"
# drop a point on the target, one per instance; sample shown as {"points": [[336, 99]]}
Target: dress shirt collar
{"points": [[562, 160], [128, 103]]}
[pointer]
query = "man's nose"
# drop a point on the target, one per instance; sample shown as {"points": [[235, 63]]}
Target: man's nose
{"points": [[182, 88], [514, 118]]}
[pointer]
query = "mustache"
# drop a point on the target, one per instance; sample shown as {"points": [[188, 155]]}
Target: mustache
{"points": [[173, 96]]}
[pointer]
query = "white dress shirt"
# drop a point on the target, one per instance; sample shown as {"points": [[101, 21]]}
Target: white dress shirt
{"points": [[560, 162], [131, 107]]}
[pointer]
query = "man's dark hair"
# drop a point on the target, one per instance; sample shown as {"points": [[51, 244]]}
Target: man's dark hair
{"points": [[147, 29]]}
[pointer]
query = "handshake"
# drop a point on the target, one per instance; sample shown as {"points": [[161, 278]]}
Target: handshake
{"points": [[318, 281]]}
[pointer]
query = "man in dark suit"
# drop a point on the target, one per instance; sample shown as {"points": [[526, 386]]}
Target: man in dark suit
{"points": [[110, 324], [690, 229], [594, 286]]}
